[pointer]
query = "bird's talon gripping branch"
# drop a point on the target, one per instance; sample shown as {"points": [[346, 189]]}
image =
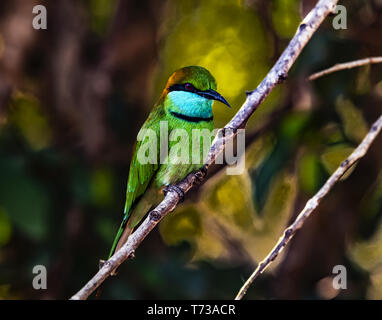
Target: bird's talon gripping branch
{"points": [[200, 175]]}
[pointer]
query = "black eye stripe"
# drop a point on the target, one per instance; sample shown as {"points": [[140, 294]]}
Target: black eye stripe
{"points": [[208, 94], [181, 87]]}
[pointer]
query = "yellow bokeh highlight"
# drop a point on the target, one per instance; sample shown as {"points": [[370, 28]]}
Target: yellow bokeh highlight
{"points": [[27, 115]]}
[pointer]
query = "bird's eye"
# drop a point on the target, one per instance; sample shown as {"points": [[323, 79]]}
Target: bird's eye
{"points": [[189, 86]]}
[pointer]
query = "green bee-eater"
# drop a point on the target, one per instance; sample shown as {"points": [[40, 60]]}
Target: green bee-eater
{"points": [[186, 103]]}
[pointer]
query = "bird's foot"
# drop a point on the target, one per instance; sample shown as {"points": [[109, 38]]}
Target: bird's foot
{"points": [[200, 175], [176, 189]]}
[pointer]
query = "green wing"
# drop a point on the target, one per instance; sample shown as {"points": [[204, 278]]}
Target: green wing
{"points": [[140, 176]]}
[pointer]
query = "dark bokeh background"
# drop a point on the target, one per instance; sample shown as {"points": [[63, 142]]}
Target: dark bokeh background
{"points": [[73, 97]]}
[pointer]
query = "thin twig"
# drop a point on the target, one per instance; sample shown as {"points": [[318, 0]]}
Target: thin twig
{"points": [[344, 66], [313, 203], [275, 76]]}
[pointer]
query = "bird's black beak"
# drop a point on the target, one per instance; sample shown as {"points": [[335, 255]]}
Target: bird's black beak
{"points": [[213, 95]]}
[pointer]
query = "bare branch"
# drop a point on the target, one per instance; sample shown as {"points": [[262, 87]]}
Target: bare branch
{"points": [[312, 204], [344, 66], [275, 76]]}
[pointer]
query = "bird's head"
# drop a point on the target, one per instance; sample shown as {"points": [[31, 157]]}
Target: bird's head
{"points": [[190, 91]]}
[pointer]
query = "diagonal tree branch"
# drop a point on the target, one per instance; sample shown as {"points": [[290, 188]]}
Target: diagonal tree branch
{"points": [[312, 204], [275, 76], [344, 66]]}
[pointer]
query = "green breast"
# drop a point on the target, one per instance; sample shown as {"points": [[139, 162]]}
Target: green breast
{"points": [[188, 145]]}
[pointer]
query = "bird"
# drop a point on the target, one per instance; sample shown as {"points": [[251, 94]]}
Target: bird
{"points": [[185, 104]]}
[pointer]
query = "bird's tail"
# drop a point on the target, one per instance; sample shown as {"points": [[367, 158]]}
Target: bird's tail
{"points": [[123, 234], [120, 239]]}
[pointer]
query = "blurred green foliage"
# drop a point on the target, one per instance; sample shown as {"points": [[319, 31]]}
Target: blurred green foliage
{"points": [[285, 17], [26, 115], [101, 12], [23, 199]]}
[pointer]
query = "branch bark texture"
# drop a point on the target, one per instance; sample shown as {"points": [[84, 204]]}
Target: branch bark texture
{"points": [[345, 65], [276, 75]]}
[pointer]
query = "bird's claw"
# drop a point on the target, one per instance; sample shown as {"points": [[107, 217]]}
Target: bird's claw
{"points": [[200, 175]]}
